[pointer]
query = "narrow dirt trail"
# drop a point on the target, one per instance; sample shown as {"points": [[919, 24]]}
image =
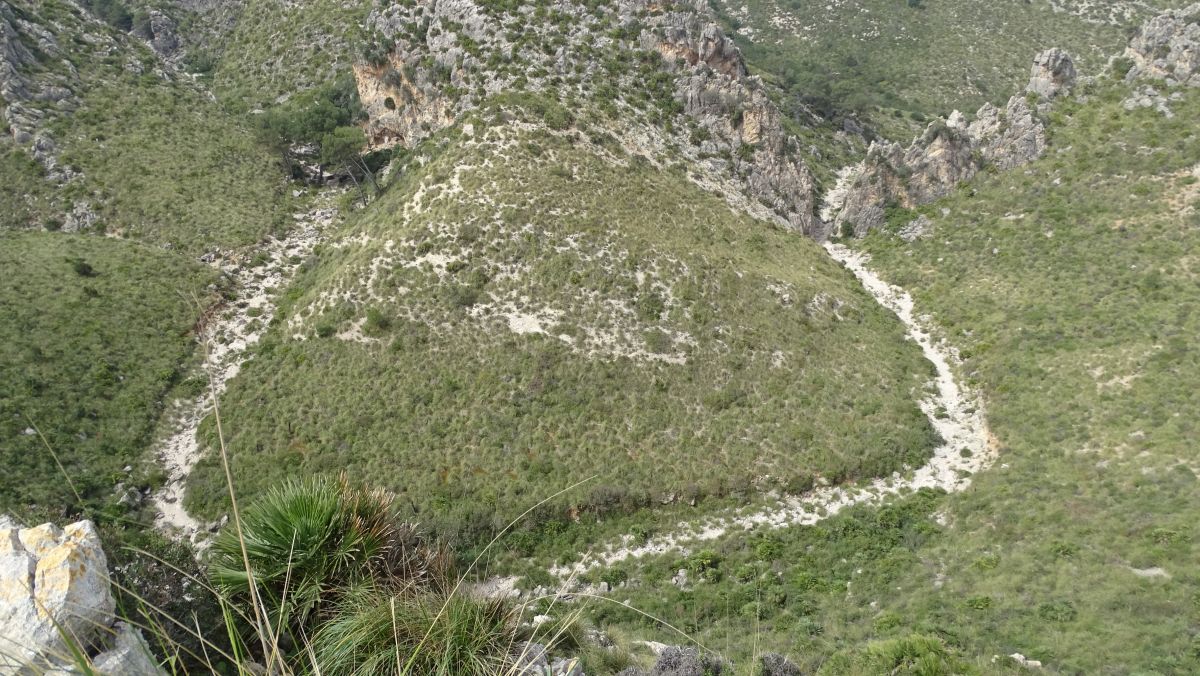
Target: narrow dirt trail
{"points": [[953, 410], [229, 336]]}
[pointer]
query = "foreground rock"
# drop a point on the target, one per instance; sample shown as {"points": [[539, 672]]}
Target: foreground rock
{"points": [[55, 594]]}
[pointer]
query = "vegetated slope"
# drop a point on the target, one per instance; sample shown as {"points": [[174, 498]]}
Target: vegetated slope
{"points": [[1071, 287], [1075, 299], [95, 331], [277, 48], [886, 59], [525, 308], [102, 138], [131, 147]]}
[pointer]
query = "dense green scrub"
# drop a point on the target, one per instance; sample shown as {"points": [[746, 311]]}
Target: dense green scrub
{"points": [[163, 164], [95, 331], [276, 49], [681, 349], [26, 198], [1072, 289]]}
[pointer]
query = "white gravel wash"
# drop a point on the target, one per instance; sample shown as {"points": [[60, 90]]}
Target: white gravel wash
{"points": [[954, 411], [227, 335]]}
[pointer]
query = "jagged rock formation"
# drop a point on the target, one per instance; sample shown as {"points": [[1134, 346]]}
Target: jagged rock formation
{"points": [[28, 100], [54, 582], [162, 34], [1167, 48], [949, 152], [738, 114], [443, 58], [1166, 52], [1053, 71]]}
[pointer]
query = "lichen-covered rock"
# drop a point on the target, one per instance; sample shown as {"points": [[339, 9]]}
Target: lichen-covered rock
{"points": [[774, 664], [1053, 72], [1010, 139], [54, 584], [52, 580]]}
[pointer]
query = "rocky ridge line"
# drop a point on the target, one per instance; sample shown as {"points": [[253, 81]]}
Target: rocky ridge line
{"points": [[1163, 52], [443, 62], [949, 152]]}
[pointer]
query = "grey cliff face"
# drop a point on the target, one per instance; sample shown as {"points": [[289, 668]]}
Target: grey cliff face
{"points": [[405, 93], [1167, 48], [1053, 72], [951, 151]]}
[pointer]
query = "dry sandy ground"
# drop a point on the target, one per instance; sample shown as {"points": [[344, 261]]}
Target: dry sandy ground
{"points": [[226, 340]]}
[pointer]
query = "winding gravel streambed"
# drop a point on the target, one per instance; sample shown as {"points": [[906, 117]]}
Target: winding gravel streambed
{"points": [[954, 411], [227, 337]]}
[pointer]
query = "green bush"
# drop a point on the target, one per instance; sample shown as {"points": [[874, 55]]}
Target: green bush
{"points": [[377, 631], [307, 540]]}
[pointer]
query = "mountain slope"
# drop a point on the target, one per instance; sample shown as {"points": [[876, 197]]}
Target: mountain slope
{"points": [[1070, 287], [130, 147], [95, 334], [526, 307]]}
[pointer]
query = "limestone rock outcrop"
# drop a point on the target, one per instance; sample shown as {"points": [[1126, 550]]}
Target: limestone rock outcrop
{"points": [[949, 152], [1053, 72], [54, 584], [27, 93], [164, 37], [1167, 48], [739, 116], [443, 58]]}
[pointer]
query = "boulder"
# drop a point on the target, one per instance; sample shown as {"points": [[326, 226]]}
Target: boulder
{"points": [[1053, 73], [128, 656], [53, 586], [1167, 47], [677, 661], [163, 36], [52, 582], [774, 664]]}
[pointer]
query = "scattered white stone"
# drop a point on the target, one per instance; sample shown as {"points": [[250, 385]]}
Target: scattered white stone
{"points": [[1150, 572]]}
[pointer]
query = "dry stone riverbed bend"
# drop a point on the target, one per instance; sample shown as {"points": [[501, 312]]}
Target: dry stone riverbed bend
{"points": [[954, 411]]}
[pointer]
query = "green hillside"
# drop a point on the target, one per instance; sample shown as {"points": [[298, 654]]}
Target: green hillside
{"points": [[278, 48], [96, 331], [895, 62], [1071, 289], [151, 156], [530, 308]]}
